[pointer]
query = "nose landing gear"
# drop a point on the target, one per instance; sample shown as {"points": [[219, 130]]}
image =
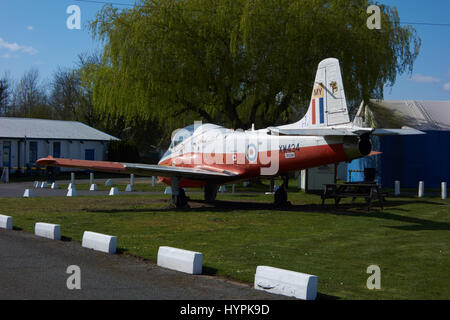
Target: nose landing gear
{"points": [[281, 194]]}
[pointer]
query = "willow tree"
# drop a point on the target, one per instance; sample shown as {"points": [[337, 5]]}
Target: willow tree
{"points": [[238, 62]]}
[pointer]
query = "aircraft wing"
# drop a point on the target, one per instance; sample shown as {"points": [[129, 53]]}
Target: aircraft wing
{"points": [[138, 168], [343, 131]]}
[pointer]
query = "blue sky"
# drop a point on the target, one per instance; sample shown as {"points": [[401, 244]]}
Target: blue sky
{"points": [[33, 33]]}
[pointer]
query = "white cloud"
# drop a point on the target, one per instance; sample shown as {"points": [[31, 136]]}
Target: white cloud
{"points": [[30, 28], [14, 47], [424, 79], [446, 86]]}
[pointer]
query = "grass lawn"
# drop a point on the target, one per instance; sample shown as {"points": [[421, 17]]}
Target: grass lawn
{"points": [[409, 240]]}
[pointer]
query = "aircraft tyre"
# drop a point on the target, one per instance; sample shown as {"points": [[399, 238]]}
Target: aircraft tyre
{"points": [[210, 192]]}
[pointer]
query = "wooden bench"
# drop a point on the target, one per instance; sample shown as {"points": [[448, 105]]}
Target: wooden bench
{"points": [[367, 190]]}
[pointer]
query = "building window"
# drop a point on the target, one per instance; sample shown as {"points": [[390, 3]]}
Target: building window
{"points": [[33, 152]]}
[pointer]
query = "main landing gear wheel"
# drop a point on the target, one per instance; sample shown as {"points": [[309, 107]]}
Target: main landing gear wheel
{"points": [[210, 192], [281, 194]]}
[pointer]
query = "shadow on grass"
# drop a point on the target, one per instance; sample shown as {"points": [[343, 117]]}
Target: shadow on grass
{"points": [[121, 250], [323, 296], [347, 209], [66, 239], [209, 271]]}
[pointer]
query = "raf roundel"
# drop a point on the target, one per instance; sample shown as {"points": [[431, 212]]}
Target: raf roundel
{"points": [[252, 153]]}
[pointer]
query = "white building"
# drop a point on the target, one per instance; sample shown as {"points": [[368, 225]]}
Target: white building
{"points": [[23, 141]]}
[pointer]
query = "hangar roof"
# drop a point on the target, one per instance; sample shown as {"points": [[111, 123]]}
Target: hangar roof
{"points": [[421, 115], [20, 128]]}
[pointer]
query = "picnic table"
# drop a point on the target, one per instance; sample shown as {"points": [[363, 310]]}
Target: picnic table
{"points": [[367, 190]]}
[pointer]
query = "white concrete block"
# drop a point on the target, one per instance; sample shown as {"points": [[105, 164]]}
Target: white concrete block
{"points": [[168, 190], [222, 189], [48, 230], [44, 185], [36, 184], [28, 193], [70, 186], [93, 187], [129, 188], [180, 260], [109, 183], [6, 222], [99, 242], [54, 186], [72, 192], [114, 191], [286, 282]]}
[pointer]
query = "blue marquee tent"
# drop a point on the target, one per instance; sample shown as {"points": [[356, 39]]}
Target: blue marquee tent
{"points": [[409, 159]]}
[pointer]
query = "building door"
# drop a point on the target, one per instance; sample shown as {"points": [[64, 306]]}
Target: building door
{"points": [[33, 152], [89, 154], [56, 149], [7, 154]]}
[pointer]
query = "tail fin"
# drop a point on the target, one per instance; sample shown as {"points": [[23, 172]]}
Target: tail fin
{"points": [[328, 106]]}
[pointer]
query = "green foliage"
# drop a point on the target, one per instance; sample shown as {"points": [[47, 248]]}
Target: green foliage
{"points": [[239, 62], [123, 151]]}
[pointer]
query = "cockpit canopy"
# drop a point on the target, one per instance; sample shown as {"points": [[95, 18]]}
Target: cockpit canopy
{"points": [[186, 132]]}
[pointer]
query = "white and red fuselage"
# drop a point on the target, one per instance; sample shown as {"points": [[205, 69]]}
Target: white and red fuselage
{"points": [[252, 153]]}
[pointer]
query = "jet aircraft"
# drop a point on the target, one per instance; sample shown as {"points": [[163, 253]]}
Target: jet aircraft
{"points": [[209, 155]]}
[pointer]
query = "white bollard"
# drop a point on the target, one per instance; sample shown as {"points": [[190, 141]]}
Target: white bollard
{"points": [[397, 188], [28, 193], [54, 186], [44, 185], [70, 186], [114, 191], [421, 189], [129, 188], [91, 178], [444, 190], [180, 260], [168, 190], [109, 183], [153, 181], [93, 187], [286, 282], [222, 189], [48, 230], [36, 184], [99, 242], [6, 222], [72, 192]]}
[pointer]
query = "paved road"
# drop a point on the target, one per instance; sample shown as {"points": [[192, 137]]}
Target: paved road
{"points": [[35, 268]]}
